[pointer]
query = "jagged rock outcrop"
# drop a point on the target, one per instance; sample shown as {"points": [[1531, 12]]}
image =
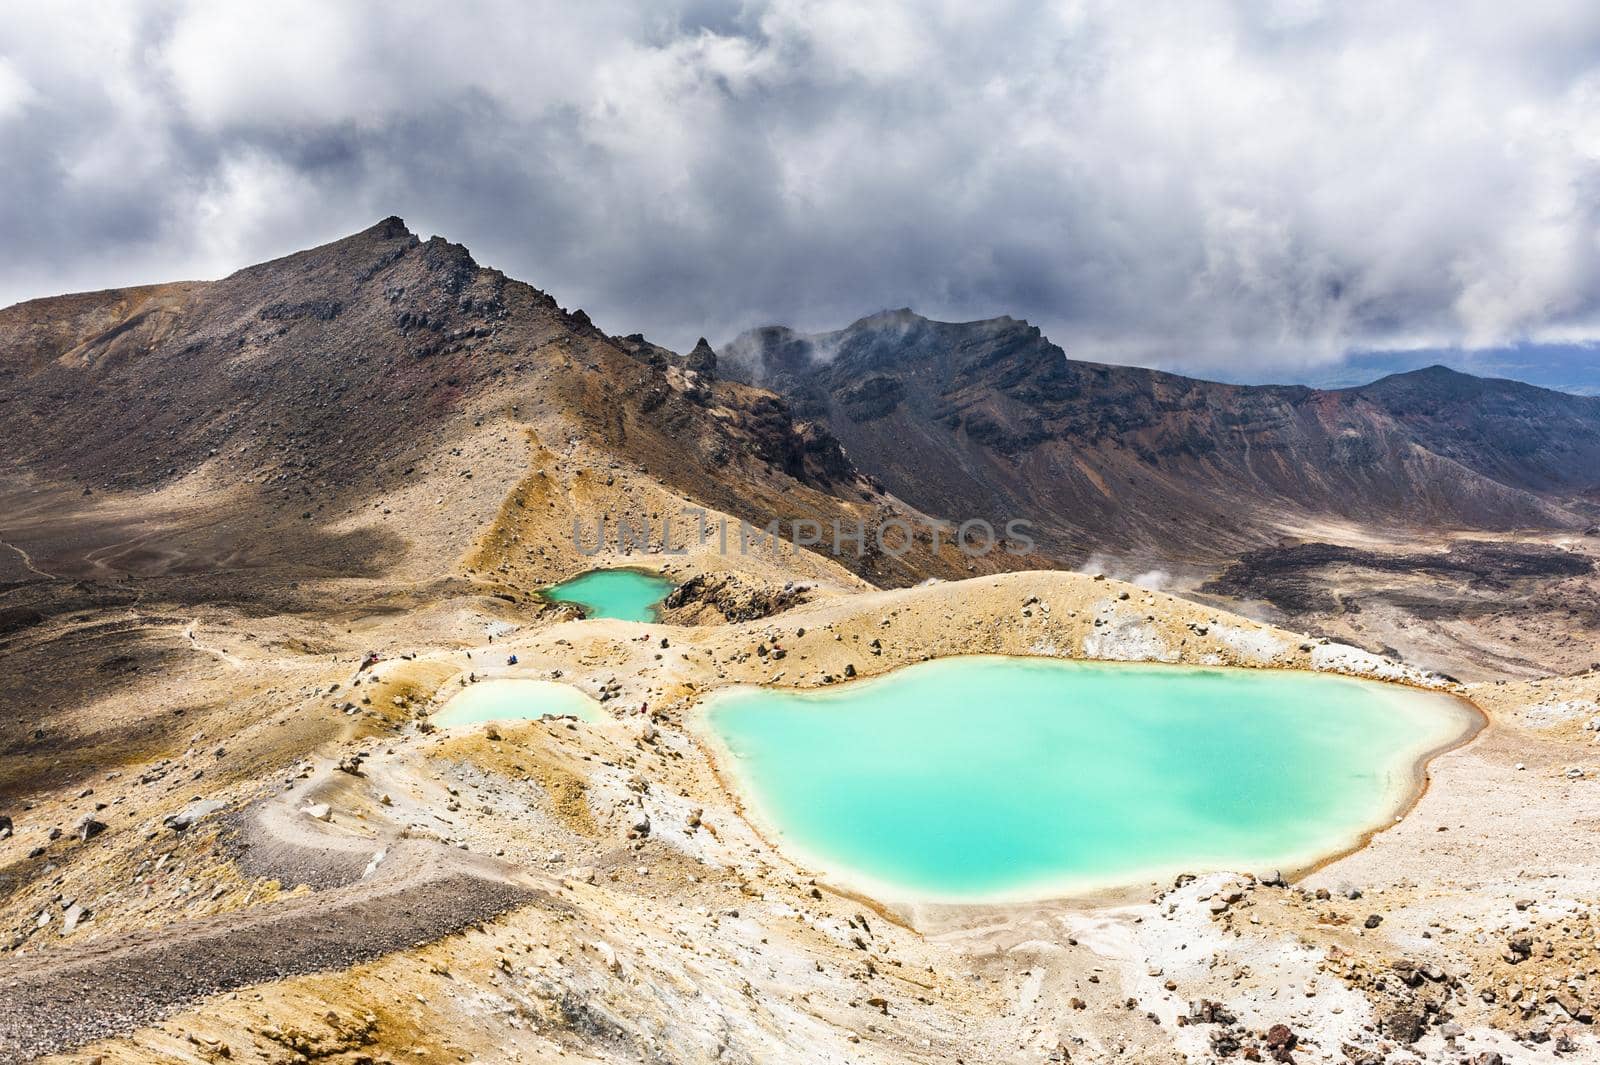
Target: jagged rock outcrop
{"points": [[702, 359], [727, 597]]}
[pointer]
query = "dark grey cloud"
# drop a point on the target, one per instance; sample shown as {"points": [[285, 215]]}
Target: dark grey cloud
{"points": [[1254, 186]]}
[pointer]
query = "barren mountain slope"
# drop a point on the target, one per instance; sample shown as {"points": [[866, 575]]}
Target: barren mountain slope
{"points": [[330, 377]]}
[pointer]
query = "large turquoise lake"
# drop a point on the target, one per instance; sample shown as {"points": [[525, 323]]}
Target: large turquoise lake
{"points": [[983, 778], [625, 594]]}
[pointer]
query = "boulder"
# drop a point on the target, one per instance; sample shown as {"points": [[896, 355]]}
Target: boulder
{"points": [[1576, 1009], [1403, 1026], [1360, 1055], [1280, 1041], [1205, 1011], [195, 811]]}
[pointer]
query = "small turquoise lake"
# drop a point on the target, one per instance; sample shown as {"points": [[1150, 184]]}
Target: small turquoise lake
{"points": [[624, 594], [513, 699], [987, 778]]}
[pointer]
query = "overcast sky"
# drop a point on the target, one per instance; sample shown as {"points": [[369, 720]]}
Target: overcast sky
{"points": [[1259, 187]]}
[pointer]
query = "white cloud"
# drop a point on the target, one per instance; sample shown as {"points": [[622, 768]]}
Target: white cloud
{"points": [[1201, 184], [15, 92]]}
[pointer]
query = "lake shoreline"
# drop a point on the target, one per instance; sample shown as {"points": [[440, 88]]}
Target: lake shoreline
{"points": [[605, 602], [910, 906]]}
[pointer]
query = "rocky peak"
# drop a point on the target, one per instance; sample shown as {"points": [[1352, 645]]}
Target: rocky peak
{"points": [[356, 257], [702, 359], [391, 228]]}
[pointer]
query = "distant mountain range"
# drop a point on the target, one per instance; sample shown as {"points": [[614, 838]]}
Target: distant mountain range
{"points": [[989, 417], [1571, 368]]}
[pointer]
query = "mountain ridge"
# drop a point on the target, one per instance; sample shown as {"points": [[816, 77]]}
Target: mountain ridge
{"points": [[947, 414], [321, 378], [325, 381]]}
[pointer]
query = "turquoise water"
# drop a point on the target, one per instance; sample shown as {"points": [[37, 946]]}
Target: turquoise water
{"points": [[985, 777], [515, 699], [625, 594]]}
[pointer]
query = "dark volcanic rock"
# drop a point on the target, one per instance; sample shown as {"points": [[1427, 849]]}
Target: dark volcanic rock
{"points": [[1294, 578], [702, 359], [990, 419], [15, 619], [733, 598], [1403, 1026]]}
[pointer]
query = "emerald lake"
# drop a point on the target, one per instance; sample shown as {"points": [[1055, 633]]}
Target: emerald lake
{"points": [[985, 778], [512, 698], [624, 594]]}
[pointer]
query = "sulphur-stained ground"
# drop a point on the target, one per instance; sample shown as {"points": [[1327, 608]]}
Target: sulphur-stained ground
{"points": [[321, 875]]}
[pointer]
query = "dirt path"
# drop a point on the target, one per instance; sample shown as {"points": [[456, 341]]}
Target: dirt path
{"points": [[233, 660], [379, 894], [27, 561]]}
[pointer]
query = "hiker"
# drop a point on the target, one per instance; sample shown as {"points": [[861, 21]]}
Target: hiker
{"points": [[511, 661]]}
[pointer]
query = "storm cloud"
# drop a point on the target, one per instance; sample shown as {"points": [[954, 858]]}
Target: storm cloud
{"points": [[1246, 185]]}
